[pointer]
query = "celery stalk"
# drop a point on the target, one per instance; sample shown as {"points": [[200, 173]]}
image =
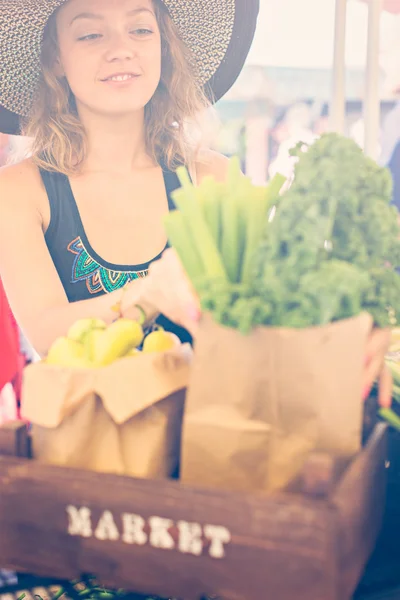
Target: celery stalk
{"points": [[245, 195], [210, 192], [180, 239], [258, 206], [390, 416], [395, 369], [230, 244], [187, 203], [234, 174], [256, 224], [230, 236], [274, 187]]}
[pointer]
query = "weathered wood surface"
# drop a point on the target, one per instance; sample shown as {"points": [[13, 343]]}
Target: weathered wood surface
{"points": [[14, 440], [283, 546], [360, 500]]}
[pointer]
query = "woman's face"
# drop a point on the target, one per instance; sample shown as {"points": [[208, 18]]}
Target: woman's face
{"points": [[110, 53]]}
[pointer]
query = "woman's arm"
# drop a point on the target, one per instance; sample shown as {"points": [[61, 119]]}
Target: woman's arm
{"points": [[30, 279]]}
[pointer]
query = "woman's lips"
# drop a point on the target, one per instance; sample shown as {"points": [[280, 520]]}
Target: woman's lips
{"points": [[120, 78]]}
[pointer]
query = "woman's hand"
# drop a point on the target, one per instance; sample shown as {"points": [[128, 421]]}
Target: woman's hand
{"points": [[375, 367], [166, 290]]}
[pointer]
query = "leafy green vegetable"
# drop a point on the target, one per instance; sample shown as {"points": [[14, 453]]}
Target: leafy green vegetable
{"points": [[326, 249], [336, 234], [333, 247]]}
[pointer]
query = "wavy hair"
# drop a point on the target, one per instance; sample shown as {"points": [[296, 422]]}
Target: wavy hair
{"points": [[172, 115]]}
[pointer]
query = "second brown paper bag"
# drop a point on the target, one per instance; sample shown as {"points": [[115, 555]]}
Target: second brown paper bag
{"points": [[258, 404], [125, 418]]}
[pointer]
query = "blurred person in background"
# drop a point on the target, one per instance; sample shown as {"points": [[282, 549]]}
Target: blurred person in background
{"points": [[390, 148], [394, 166], [390, 133], [295, 126]]}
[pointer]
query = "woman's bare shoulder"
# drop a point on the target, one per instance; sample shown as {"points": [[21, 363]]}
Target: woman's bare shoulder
{"points": [[209, 162], [20, 175], [21, 186]]}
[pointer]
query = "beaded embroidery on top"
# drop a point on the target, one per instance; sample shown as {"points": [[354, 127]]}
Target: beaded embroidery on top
{"points": [[205, 26], [98, 278]]}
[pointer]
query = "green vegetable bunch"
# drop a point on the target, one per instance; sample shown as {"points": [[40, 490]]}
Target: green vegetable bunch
{"points": [[334, 244], [324, 250], [218, 227]]}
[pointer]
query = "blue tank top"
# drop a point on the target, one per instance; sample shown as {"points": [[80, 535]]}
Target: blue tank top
{"points": [[83, 273]]}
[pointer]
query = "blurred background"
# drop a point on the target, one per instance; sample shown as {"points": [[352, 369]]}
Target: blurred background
{"points": [[284, 92]]}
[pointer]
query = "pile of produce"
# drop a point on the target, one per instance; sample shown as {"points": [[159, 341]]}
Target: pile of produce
{"points": [[90, 343], [325, 249], [88, 589]]}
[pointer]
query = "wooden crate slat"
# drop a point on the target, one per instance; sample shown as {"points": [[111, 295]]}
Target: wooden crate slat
{"points": [[282, 546], [264, 532], [14, 439], [362, 491]]}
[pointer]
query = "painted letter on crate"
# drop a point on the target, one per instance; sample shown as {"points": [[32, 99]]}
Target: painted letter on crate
{"points": [[190, 538], [159, 536], [79, 521], [106, 528], [133, 529], [218, 536]]}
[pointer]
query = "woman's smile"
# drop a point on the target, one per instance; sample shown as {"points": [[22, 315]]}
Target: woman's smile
{"points": [[121, 79]]}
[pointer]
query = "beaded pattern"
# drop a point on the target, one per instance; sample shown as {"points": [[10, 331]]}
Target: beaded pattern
{"points": [[98, 278], [205, 26]]}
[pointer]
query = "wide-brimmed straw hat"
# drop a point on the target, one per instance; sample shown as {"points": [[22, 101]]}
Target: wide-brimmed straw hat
{"points": [[219, 34]]}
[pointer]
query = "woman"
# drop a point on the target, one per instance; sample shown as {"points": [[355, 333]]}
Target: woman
{"points": [[106, 89], [117, 86]]}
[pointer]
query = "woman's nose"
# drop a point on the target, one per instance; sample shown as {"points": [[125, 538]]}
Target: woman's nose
{"points": [[119, 48]]}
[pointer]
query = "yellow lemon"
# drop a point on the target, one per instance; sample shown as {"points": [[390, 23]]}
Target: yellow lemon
{"points": [[160, 341], [91, 343], [79, 330], [119, 338], [67, 353]]}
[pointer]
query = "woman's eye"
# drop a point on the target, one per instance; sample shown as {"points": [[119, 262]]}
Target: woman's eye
{"points": [[90, 36], [142, 31]]}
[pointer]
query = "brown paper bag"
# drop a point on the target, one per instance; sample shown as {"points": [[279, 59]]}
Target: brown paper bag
{"points": [[258, 404], [125, 418]]}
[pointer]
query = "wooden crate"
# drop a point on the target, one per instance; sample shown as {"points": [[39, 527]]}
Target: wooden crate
{"points": [[310, 542]]}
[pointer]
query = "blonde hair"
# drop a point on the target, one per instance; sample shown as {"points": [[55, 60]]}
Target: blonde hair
{"points": [[172, 115]]}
